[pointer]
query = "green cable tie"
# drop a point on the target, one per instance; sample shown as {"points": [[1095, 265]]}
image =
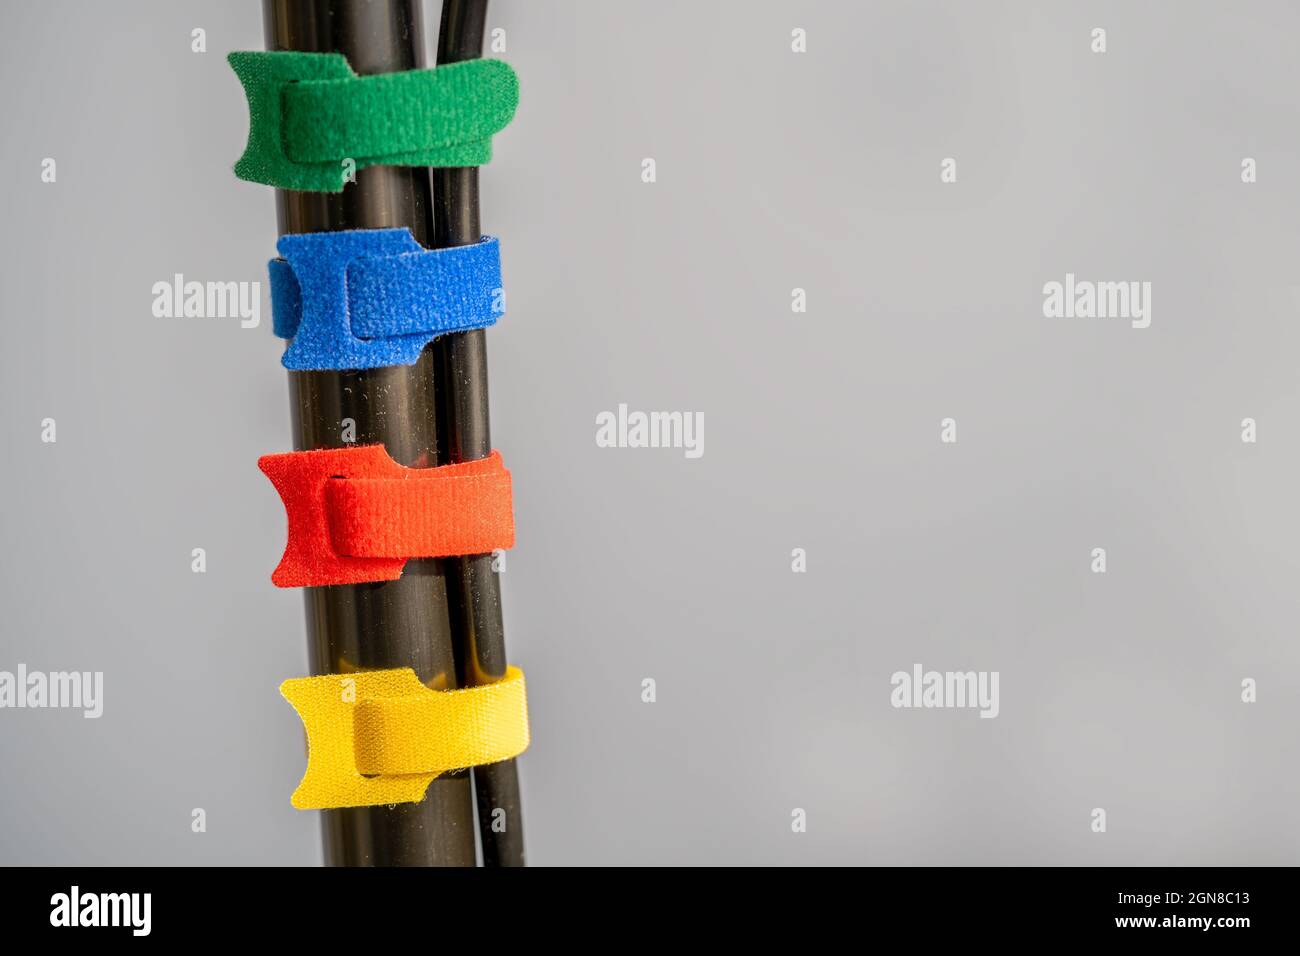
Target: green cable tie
{"points": [[309, 114]]}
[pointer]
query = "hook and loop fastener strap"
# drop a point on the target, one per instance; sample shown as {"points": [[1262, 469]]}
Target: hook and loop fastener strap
{"points": [[311, 117], [369, 298], [380, 737], [357, 516]]}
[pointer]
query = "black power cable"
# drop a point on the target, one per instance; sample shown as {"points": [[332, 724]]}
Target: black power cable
{"points": [[403, 623], [464, 433]]}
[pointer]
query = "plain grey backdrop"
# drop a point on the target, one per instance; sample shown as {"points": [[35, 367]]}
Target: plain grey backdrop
{"points": [[776, 170]]}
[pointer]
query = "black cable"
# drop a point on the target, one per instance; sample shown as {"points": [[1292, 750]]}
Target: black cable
{"points": [[403, 623], [474, 589]]}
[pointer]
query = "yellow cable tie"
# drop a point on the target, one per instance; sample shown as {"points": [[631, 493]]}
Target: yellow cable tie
{"points": [[380, 737]]}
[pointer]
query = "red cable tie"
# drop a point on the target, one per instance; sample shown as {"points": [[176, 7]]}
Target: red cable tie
{"points": [[356, 516]]}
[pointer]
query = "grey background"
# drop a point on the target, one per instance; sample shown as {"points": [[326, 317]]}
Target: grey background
{"points": [[776, 170]]}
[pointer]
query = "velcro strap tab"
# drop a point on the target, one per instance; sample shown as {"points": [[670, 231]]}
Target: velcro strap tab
{"points": [[313, 121], [369, 298], [380, 737], [356, 516]]}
